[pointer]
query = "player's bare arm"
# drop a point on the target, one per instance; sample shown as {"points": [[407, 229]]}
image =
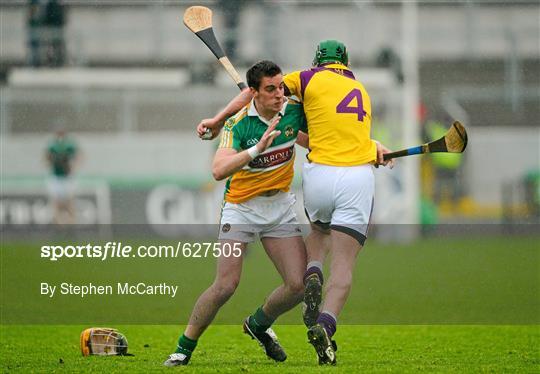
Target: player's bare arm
{"points": [[216, 123], [302, 139], [228, 161]]}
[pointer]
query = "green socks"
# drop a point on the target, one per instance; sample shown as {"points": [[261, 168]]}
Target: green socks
{"points": [[259, 321], [186, 345]]}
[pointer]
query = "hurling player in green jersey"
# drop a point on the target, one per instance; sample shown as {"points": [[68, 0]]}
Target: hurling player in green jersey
{"points": [[256, 154], [61, 156]]}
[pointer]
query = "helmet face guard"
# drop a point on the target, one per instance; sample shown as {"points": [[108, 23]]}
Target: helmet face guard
{"points": [[103, 341], [331, 51]]}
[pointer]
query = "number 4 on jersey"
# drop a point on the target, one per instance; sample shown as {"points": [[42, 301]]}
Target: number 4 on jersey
{"points": [[343, 106]]}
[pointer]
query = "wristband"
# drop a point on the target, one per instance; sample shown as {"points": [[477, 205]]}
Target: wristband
{"points": [[253, 152]]}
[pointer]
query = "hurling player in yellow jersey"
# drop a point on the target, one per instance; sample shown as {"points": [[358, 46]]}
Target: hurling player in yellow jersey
{"points": [[338, 181], [256, 154], [338, 184]]}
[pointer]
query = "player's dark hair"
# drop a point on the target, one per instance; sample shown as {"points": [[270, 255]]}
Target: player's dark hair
{"points": [[261, 69]]}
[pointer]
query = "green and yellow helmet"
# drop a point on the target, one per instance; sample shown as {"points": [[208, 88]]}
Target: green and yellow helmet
{"points": [[331, 51]]}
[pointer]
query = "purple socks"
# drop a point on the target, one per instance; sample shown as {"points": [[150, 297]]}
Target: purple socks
{"points": [[313, 270], [328, 322]]}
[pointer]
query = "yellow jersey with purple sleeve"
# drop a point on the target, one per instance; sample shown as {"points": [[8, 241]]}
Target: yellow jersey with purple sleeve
{"points": [[274, 168], [338, 113]]}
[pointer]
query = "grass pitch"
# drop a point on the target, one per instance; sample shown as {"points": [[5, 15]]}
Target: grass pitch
{"points": [[226, 349], [438, 305]]}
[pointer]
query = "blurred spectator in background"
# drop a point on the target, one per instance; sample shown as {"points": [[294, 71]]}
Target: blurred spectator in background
{"points": [[55, 19], [388, 58], [34, 22], [446, 169], [61, 156], [231, 15], [428, 209], [532, 193]]}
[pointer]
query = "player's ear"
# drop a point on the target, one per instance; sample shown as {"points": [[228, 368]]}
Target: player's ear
{"points": [[253, 91]]}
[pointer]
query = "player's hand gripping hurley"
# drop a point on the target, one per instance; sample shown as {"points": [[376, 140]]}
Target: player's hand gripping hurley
{"points": [[454, 141]]}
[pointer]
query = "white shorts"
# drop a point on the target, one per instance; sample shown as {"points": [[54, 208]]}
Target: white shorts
{"points": [[339, 197], [60, 188], [267, 216]]}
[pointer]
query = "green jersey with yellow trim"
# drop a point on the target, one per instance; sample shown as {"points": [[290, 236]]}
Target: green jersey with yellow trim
{"points": [[272, 169]]}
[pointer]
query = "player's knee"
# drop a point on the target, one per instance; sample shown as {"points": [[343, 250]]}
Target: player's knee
{"points": [[224, 290], [295, 288], [342, 281]]}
